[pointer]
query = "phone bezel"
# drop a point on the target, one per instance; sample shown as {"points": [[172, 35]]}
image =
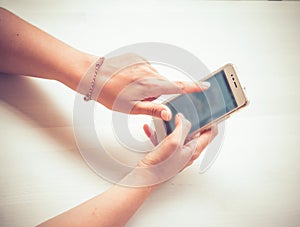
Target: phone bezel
{"points": [[238, 93]]}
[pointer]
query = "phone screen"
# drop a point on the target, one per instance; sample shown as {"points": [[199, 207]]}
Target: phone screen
{"points": [[200, 108]]}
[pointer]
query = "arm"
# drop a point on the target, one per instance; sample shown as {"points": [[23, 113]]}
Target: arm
{"points": [[112, 208], [117, 205], [27, 50]]}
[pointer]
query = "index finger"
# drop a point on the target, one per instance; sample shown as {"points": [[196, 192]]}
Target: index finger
{"points": [[162, 86]]}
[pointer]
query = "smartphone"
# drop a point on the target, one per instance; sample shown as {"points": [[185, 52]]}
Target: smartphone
{"points": [[204, 109]]}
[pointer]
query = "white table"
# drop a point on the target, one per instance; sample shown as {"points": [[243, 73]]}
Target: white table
{"points": [[255, 180]]}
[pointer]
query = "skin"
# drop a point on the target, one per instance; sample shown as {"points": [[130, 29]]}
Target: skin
{"points": [[119, 203], [29, 51]]}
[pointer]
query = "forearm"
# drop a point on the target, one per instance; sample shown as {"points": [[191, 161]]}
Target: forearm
{"points": [[112, 208], [27, 50]]}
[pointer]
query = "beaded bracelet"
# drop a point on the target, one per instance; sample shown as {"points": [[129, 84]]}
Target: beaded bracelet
{"points": [[88, 97]]}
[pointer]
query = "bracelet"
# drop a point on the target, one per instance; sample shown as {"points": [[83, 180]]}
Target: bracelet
{"points": [[88, 97]]}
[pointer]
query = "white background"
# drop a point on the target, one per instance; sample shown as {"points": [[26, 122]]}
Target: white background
{"points": [[255, 180]]}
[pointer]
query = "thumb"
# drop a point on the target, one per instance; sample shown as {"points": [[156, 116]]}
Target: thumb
{"points": [[152, 109]]}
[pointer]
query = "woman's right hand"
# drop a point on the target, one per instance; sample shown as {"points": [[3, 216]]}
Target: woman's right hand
{"points": [[128, 83]]}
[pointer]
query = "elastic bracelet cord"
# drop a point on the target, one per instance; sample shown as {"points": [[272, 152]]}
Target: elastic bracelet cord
{"points": [[88, 97]]}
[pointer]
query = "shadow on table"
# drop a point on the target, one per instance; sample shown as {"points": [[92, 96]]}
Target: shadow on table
{"points": [[29, 100]]}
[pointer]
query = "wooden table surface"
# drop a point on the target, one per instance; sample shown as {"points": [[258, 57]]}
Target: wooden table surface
{"points": [[255, 180]]}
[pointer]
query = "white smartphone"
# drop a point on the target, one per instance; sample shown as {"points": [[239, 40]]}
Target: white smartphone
{"points": [[204, 109]]}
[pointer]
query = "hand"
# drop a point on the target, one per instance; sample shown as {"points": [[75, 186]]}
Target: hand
{"points": [[171, 156], [130, 84], [175, 142]]}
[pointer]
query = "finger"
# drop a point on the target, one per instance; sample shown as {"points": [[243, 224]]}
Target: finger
{"points": [[200, 141], [215, 131], [152, 109], [147, 130], [190, 87], [182, 128], [189, 150], [195, 147], [161, 87], [170, 144], [204, 139], [153, 69], [177, 138], [151, 134]]}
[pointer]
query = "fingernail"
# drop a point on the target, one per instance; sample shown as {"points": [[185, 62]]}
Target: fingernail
{"points": [[205, 84], [197, 135], [165, 115], [181, 116]]}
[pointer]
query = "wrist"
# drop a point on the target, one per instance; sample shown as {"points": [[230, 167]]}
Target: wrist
{"points": [[141, 177], [78, 66]]}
